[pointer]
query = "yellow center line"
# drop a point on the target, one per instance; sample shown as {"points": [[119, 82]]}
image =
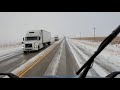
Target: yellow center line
{"points": [[20, 74]]}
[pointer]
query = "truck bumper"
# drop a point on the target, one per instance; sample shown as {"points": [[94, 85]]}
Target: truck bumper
{"points": [[30, 49]]}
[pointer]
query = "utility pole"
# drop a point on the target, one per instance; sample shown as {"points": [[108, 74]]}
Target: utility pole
{"points": [[94, 33]]}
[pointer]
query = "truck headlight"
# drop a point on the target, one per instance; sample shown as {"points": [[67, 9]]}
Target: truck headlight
{"points": [[35, 46]]}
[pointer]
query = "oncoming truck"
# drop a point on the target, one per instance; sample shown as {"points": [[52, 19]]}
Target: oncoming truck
{"points": [[36, 39], [56, 38]]}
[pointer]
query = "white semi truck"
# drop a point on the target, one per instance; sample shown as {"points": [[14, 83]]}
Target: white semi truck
{"points": [[36, 39]]}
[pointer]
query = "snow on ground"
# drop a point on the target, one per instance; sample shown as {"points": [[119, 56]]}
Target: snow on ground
{"points": [[108, 57], [10, 51], [112, 48], [78, 61], [97, 70]]}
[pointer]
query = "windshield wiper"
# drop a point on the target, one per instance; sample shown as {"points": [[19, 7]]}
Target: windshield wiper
{"points": [[89, 63]]}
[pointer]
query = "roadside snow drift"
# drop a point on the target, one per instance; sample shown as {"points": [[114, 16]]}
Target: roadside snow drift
{"points": [[108, 59]]}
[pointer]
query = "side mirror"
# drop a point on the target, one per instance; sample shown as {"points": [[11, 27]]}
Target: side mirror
{"points": [[22, 42], [23, 39]]}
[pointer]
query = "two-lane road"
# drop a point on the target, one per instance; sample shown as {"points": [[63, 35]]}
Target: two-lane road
{"points": [[60, 61], [64, 60]]}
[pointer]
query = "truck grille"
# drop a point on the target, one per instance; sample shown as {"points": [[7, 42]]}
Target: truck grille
{"points": [[28, 45]]}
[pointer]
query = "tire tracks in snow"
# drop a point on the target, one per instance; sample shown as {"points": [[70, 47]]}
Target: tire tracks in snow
{"points": [[97, 59], [107, 69], [82, 59]]}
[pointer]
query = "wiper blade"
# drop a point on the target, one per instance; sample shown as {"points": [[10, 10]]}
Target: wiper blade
{"points": [[113, 74], [88, 64]]}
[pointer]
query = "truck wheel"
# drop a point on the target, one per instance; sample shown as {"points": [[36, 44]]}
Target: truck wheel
{"points": [[49, 43], [43, 44]]}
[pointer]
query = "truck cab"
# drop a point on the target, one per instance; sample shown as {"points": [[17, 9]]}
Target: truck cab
{"points": [[32, 41]]}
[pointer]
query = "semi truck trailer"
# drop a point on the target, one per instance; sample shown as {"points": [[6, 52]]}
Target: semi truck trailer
{"points": [[36, 39]]}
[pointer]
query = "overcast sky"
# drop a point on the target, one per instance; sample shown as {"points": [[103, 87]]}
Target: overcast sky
{"points": [[14, 25]]}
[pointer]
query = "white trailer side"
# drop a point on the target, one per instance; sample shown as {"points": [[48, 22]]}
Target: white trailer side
{"points": [[46, 36]]}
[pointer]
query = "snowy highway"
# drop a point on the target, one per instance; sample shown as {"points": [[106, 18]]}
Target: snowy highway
{"points": [[59, 44], [66, 59], [63, 58]]}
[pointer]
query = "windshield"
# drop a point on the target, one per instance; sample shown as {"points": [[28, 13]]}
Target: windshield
{"points": [[32, 46], [31, 38]]}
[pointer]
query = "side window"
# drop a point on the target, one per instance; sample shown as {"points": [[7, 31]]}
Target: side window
{"points": [[39, 38]]}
